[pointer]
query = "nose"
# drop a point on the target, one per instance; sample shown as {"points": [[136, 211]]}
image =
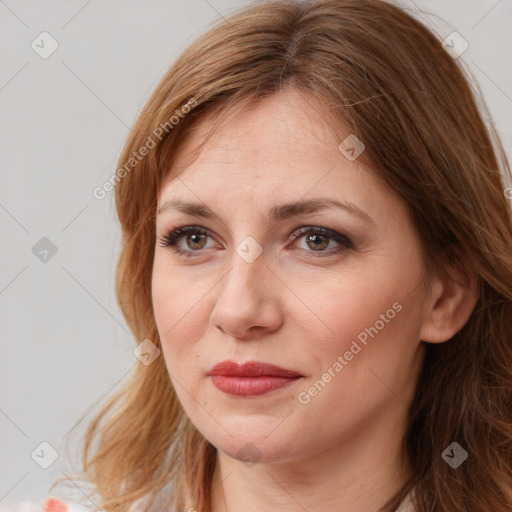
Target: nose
{"points": [[248, 302]]}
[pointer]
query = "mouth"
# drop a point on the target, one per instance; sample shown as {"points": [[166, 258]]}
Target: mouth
{"points": [[252, 378]]}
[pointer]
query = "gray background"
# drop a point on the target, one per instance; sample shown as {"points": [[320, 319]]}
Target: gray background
{"points": [[65, 347]]}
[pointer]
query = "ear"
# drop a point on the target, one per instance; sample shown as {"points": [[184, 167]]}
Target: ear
{"points": [[451, 303]]}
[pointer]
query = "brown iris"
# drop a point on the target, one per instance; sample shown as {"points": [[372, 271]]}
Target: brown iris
{"points": [[318, 239], [196, 239]]}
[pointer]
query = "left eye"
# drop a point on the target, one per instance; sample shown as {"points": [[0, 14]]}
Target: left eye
{"points": [[316, 238]]}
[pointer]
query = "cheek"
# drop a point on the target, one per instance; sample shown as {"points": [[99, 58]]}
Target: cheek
{"points": [[176, 296], [371, 337], [368, 333], [176, 314], [346, 305], [179, 312]]}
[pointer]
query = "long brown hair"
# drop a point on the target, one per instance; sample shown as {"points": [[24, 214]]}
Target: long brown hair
{"points": [[387, 78]]}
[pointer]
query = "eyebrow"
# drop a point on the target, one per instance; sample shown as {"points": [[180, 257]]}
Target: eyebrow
{"points": [[277, 213]]}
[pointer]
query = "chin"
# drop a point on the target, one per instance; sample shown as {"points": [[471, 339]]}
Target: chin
{"points": [[256, 447]]}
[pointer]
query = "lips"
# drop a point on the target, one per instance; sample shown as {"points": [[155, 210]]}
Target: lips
{"points": [[251, 369], [250, 379]]}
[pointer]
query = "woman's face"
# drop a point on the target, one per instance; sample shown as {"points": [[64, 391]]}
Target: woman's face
{"points": [[341, 308]]}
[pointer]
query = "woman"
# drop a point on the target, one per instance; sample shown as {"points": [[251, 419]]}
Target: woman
{"points": [[375, 375]]}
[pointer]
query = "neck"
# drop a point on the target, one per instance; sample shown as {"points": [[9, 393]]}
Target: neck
{"points": [[359, 474]]}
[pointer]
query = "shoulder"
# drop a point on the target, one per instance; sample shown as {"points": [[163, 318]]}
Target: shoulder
{"points": [[49, 505], [56, 505], [52, 504]]}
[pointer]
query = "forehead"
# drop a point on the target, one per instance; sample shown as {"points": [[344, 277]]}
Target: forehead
{"points": [[280, 150], [282, 120], [279, 131]]}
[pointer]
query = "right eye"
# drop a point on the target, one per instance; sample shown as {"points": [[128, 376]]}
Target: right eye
{"points": [[195, 235]]}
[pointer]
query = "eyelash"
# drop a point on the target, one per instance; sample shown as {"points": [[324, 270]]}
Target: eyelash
{"points": [[171, 238]]}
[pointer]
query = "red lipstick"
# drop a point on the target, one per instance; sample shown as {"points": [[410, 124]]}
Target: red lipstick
{"points": [[250, 379]]}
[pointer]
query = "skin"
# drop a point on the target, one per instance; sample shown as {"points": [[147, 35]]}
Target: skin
{"points": [[297, 310]]}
